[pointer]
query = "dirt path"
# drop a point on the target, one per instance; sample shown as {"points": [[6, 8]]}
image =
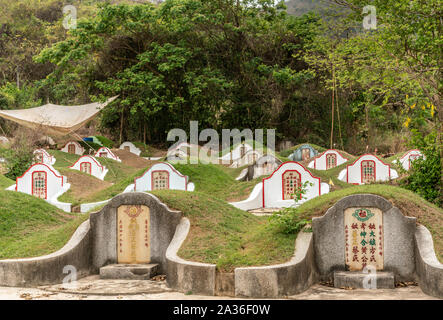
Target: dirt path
{"points": [[92, 288]]}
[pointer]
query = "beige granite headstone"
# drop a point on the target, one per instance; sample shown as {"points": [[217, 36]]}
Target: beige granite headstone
{"points": [[133, 237], [363, 238]]}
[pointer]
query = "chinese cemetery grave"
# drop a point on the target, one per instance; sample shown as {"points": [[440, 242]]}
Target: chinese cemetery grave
{"points": [[409, 157], [327, 160], [366, 169], [104, 152], [162, 176], [91, 166], [73, 147], [277, 190], [42, 156], [130, 147], [303, 153]]}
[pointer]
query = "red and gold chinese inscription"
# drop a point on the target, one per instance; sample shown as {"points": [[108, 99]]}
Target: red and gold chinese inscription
{"points": [[133, 245], [291, 182], [363, 238]]}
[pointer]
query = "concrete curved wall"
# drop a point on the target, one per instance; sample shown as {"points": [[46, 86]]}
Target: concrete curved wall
{"points": [[187, 276], [429, 269], [48, 269], [285, 279]]}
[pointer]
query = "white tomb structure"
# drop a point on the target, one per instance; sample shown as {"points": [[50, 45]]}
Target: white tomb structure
{"points": [[366, 169], [237, 153], [266, 165], [130, 147], [407, 159], [327, 160], [44, 182], [277, 190], [91, 166], [248, 158], [104, 152], [73, 147], [161, 176], [42, 156]]}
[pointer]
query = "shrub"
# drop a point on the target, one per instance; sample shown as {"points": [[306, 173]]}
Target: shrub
{"points": [[425, 174], [19, 158], [289, 220]]}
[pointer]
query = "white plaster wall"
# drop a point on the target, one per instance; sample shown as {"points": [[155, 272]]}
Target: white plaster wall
{"points": [[47, 158], [97, 170], [382, 171], [254, 200], [319, 162], [259, 170], [132, 148], [177, 181], [246, 160], [54, 181], [273, 187], [109, 154], [235, 153], [79, 150], [86, 207], [404, 161]]}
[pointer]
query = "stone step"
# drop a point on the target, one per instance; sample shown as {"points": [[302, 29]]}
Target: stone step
{"points": [[361, 280], [129, 271]]}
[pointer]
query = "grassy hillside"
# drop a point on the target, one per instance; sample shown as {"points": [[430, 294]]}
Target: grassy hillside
{"points": [[226, 236], [218, 181], [5, 182], [32, 227]]}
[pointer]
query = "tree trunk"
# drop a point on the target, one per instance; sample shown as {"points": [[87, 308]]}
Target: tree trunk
{"points": [[121, 127]]}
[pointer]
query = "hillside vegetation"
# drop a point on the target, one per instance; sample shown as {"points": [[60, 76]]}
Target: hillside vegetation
{"points": [[31, 227]]}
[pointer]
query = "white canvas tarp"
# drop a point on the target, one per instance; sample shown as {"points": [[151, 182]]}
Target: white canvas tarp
{"points": [[54, 119]]}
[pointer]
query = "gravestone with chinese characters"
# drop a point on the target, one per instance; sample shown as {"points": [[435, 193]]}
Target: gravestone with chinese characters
{"points": [[131, 235], [363, 238], [363, 234]]}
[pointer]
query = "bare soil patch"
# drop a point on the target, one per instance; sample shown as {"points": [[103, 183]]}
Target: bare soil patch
{"points": [[82, 185], [132, 160]]}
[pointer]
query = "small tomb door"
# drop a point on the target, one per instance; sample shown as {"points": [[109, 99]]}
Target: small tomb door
{"points": [[133, 234], [305, 154], [367, 171], [71, 148], [127, 148], [39, 184], [103, 154], [85, 167], [160, 180], [363, 238], [291, 181], [331, 161]]}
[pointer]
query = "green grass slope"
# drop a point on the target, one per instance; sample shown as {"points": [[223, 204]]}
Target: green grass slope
{"points": [[218, 181], [32, 227], [5, 182], [226, 236]]}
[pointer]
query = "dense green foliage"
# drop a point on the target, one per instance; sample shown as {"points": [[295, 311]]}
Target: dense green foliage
{"points": [[425, 174]]}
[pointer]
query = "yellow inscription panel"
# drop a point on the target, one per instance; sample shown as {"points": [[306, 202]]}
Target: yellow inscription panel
{"points": [[363, 238], [133, 224]]}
